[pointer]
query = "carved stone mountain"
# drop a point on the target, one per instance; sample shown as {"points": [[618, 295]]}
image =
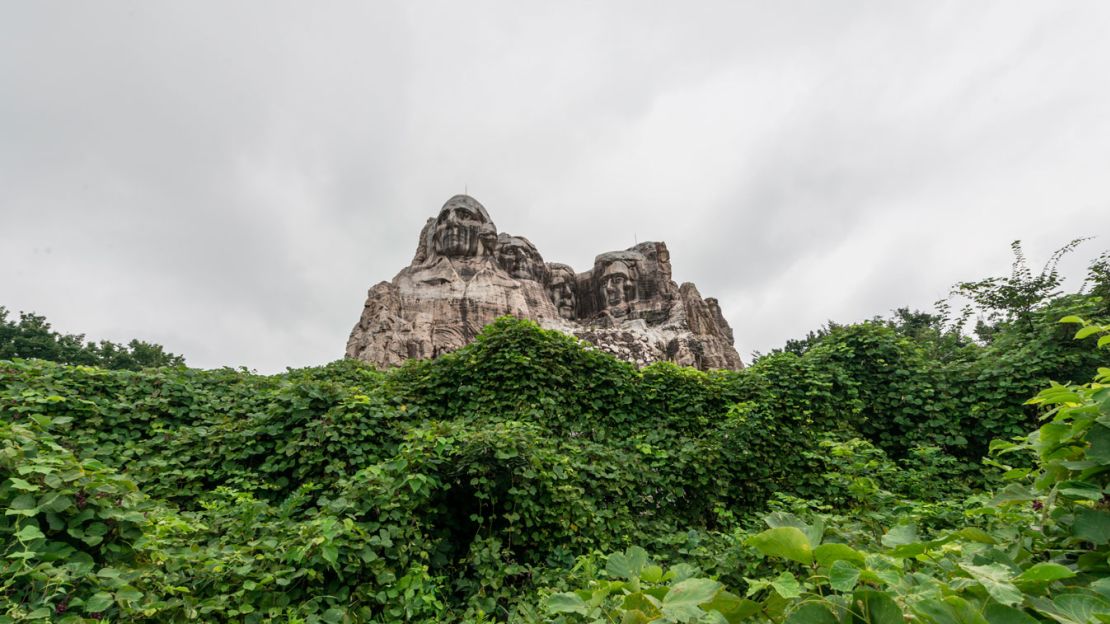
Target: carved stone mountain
{"points": [[465, 274]]}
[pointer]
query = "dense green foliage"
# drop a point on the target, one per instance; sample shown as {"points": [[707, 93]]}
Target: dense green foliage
{"points": [[1037, 550], [488, 484], [32, 337]]}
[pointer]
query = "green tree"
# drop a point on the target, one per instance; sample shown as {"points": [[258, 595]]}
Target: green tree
{"points": [[32, 337], [1011, 299], [1098, 277]]}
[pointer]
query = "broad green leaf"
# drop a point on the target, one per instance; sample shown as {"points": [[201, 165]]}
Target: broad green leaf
{"points": [[976, 535], [779, 519], [22, 505], [882, 570], [1092, 526], [640, 602], [964, 611], [1081, 608], [1013, 493], [786, 542], [29, 532], [58, 503], [756, 585], [80, 564], [1080, 489], [1071, 318], [1002, 614], [875, 607], [1089, 330], [812, 614], [627, 565], [733, 608], [774, 606], [900, 535], [652, 574], [843, 576], [826, 554], [1044, 573], [682, 571], [566, 602], [681, 602], [1102, 586], [1099, 438], [906, 551], [98, 603], [932, 610], [723, 601], [996, 579], [20, 484], [128, 593], [814, 531], [787, 586], [602, 592]]}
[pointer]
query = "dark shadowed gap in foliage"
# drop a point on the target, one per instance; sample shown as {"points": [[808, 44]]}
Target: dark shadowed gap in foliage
{"points": [[473, 507], [454, 525]]}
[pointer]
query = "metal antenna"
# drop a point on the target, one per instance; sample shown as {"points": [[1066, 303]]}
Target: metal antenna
{"points": [[635, 240]]}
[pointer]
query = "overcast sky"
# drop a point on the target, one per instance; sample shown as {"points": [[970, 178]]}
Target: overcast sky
{"points": [[228, 178]]}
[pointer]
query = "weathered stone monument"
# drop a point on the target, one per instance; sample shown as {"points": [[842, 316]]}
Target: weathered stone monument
{"points": [[465, 274]]}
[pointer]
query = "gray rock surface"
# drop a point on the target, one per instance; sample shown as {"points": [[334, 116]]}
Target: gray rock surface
{"points": [[465, 274]]}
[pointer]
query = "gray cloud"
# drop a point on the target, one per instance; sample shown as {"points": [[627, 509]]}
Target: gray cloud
{"points": [[229, 179]]}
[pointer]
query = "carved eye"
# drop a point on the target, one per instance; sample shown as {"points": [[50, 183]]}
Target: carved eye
{"points": [[464, 214]]}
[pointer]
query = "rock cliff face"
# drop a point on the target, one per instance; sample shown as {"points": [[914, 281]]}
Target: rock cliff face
{"points": [[465, 274]]}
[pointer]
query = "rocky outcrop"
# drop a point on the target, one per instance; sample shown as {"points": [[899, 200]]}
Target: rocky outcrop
{"points": [[465, 274]]}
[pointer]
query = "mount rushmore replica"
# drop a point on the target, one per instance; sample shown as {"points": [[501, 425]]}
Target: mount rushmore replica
{"points": [[465, 274]]}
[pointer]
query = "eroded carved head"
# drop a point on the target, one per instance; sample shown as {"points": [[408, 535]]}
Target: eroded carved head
{"points": [[562, 288], [520, 258], [463, 229], [617, 285]]}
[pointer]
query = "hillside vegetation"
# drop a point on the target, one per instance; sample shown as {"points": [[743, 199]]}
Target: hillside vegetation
{"points": [[529, 478]]}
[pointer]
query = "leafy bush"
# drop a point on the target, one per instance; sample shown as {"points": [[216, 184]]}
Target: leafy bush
{"points": [[460, 489], [1037, 552]]}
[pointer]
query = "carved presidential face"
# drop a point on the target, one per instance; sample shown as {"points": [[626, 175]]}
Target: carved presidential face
{"points": [[617, 286], [461, 228], [519, 258], [563, 291]]}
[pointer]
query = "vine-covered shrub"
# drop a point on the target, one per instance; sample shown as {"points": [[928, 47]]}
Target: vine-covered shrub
{"points": [[457, 488], [1037, 551], [73, 528]]}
